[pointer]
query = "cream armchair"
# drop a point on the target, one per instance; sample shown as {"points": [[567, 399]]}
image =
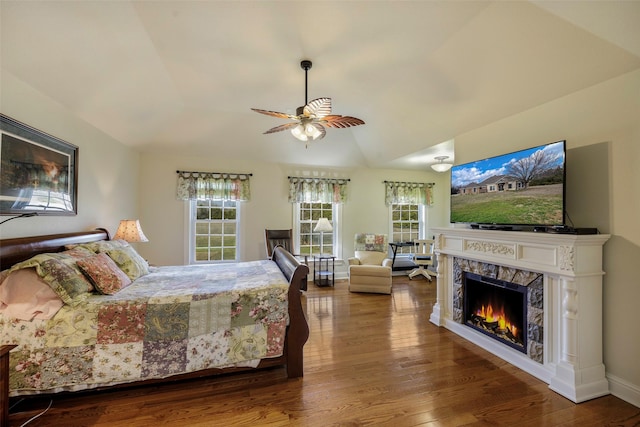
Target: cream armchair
{"points": [[370, 269]]}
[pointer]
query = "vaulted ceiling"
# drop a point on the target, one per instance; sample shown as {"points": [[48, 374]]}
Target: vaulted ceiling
{"points": [[183, 75]]}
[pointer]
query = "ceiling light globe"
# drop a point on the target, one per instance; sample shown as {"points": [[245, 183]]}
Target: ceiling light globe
{"points": [[299, 133], [312, 131], [441, 167]]}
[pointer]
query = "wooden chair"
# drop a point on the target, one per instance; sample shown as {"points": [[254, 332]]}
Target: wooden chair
{"points": [[284, 238], [423, 257], [274, 238]]}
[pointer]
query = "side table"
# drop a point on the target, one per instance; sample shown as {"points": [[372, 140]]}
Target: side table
{"points": [[323, 272]]}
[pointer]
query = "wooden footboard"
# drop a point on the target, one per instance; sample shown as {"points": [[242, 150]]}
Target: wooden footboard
{"points": [[298, 330], [19, 249]]}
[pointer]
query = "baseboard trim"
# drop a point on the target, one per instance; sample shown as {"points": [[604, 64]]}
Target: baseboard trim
{"points": [[624, 390]]}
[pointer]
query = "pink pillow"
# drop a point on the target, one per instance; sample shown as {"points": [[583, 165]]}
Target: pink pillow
{"points": [[24, 295], [107, 278]]}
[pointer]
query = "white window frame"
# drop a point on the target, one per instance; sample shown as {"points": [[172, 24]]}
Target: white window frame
{"points": [[422, 225], [191, 246], [336, 222]]}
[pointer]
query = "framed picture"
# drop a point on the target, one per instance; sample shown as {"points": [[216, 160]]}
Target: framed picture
{"points": [[38, 172]]}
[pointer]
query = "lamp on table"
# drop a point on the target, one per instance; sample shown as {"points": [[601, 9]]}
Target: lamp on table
{"points": [[322, 226], [130, 231]]}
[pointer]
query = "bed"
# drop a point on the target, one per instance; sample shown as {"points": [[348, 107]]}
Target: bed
{"points": [[168, 323]]}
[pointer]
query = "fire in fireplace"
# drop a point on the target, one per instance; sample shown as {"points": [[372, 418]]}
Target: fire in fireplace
{"points": [[496, 308]]}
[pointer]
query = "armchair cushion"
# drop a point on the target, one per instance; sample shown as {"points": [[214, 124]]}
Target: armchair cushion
{"points": [[370, 257]]}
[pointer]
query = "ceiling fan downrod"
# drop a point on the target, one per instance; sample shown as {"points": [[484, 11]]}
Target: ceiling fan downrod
{"points": [[305, 65]]}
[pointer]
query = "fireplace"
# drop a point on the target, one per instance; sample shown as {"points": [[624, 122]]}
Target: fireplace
{"points": [[484, 292], [496, 308], [561, 303]]}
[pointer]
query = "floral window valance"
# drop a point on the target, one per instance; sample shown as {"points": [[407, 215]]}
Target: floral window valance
{"points": [[408, 193], [317, 190], [213, 186]]}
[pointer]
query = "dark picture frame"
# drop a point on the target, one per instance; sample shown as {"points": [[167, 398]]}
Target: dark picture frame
{"points": [[38, 172]]}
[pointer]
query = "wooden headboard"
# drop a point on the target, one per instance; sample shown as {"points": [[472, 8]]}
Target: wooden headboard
{"points": [[20, 249]]}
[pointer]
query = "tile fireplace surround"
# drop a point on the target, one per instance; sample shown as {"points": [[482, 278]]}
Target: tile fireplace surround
{"points": [[571, 266]]}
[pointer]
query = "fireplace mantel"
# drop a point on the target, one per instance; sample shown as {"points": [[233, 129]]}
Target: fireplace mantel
{"points": [[572, 269]]}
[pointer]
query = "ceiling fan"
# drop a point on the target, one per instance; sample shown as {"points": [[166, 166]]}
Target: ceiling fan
{"points": [[310, 120]]}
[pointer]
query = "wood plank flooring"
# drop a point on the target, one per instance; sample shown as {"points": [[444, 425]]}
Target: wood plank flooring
{"points": [[371, 360]]}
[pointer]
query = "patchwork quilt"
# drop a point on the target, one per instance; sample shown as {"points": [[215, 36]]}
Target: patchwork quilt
{"points": [[171, 321]]}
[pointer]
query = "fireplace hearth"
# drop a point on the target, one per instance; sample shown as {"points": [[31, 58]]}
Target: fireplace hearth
{"points": [[496, 308], [562, 316]]}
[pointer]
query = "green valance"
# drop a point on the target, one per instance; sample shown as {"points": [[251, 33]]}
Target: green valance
{"points": [[213, 186], [408, 193], [317, 190]]}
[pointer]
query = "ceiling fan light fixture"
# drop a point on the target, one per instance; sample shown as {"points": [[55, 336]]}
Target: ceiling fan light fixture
{"points": [[307, 132], [441, 166], [312, 118]]}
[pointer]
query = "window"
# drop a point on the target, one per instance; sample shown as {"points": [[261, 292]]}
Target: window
{"points": [[214, 231], [311, 242], [407, 224], [312, 199]]}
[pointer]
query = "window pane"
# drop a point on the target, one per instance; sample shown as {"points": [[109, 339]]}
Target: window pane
{"points": [[229, 254], [216, 227], [202, 241], [216, 213], [202, 213], [216, 240], [215, 231], [202, 228], [202, 254]]}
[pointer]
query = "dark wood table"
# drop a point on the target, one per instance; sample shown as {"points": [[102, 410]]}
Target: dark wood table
{"points": [[4, 383], [324, 274]]}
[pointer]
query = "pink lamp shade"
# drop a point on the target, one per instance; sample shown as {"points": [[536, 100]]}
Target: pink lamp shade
{"points": [[130, 231]]}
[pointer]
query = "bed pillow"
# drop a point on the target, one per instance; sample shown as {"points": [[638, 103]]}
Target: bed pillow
{"points": [[129, 261], [61, 273], [104, 273], [100, 246], [24, 295], [77, 252]]}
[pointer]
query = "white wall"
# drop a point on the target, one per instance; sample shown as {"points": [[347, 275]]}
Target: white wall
{"points": [[107, 170], [602, 129], [164, 218]]}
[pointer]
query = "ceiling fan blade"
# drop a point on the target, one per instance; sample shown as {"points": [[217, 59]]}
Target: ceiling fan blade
{"points": [[317, 108], [280, 128], [337, 121], [275, 114]]}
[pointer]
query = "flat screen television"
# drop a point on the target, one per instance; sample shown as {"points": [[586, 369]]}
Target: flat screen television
{"points": [[523, 188]]}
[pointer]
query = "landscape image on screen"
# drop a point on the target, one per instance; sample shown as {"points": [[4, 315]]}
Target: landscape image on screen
{"points": [[521, 188]]}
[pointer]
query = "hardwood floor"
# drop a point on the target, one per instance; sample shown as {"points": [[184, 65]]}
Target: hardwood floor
{"points": [[371, 360]]}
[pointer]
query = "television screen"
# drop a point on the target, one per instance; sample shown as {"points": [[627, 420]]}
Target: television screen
{"points": [[522, 188]]}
